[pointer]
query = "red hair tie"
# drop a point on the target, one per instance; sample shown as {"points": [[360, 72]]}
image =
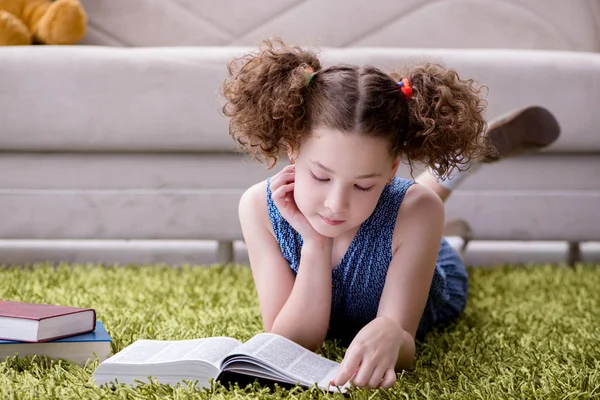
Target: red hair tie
{"points": [[405, 88]]}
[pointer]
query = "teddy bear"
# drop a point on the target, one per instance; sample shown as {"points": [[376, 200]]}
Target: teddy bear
{"points": [[24, 22]]}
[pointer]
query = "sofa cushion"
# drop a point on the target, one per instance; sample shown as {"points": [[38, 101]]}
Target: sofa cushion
{"points": [[80, 98], [524, 24]]}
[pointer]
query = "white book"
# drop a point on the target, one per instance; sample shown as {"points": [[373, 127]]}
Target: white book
{"points": [[265, 355]]}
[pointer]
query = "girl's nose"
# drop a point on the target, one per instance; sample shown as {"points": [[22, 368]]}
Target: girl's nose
{"points": [[337, 201]]}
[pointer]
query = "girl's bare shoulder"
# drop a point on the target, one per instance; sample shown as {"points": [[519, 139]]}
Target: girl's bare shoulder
{"points": [[253, 205], [420, 197], [419, 206]]}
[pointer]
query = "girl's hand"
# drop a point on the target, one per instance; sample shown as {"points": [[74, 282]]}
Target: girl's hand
{"points": [[282, 192], [371, 357]]}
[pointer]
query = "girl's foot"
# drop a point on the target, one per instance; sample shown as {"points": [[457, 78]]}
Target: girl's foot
{"points": [[524, 130]]}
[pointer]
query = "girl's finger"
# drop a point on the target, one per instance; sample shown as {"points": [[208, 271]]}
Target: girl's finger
{"points": [[283, 191], [348, 368], [376, 377], [288, 169], [365, 371], [389, 378], [281, 179]]}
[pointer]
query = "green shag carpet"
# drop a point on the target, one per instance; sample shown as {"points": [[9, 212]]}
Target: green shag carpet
{"points": [[528, 332]]}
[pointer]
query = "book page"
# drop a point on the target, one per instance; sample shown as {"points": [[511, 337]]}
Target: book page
{"points": [[211, 350], [292, 359], [139, 352]]}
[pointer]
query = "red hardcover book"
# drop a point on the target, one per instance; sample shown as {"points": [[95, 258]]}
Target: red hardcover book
{"points": [[29, 322]]}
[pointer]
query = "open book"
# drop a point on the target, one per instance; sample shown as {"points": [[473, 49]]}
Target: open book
{"points": [[265, 355]]}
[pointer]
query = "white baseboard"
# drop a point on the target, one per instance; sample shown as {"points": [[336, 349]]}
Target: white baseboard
{"points": [[483, 253]]}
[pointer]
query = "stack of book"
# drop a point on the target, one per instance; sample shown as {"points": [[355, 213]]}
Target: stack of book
{"points": [[56, 331]]}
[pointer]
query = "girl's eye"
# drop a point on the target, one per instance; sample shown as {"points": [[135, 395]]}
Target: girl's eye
{"points": [[362, 189], [319, 179]]}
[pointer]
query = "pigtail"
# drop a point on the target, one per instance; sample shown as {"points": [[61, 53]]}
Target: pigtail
{"points": [[266, 99], [445, 119]]}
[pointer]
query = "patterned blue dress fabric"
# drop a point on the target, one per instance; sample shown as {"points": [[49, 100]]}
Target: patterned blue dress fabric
{"points": [[359, 278]]}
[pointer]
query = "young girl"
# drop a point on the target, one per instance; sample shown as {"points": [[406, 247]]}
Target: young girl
{"points": [[338, 245]]}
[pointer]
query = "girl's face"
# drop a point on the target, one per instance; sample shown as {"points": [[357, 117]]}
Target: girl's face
{"points": [[339, 178]]}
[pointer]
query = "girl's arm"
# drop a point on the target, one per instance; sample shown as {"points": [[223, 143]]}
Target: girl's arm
{"points": [[387, 343], [419, 228], [294, 307]]}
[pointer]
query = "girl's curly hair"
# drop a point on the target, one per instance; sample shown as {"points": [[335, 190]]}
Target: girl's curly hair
{"points": [[277, 96]]}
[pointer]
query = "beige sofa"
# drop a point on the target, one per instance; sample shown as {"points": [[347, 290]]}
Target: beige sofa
{"points": [[115, 150]]}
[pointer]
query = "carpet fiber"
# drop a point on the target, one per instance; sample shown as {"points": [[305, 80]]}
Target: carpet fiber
{"points": [[528, 332]]}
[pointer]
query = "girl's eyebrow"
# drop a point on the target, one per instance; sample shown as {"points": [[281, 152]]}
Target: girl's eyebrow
{"points": [[365, 176]]}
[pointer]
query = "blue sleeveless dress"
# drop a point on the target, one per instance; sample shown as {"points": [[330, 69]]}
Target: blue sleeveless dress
{"points": [[359, 278]]}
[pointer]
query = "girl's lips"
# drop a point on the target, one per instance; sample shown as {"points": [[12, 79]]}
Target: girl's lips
{"points": [[330, 221]]}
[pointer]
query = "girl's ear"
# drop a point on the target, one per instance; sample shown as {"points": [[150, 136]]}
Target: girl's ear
{"points": [[292, 155], [395, 166]]}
